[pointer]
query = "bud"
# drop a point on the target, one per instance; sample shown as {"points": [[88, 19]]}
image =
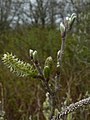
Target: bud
{"points": [[73, 16], [31, 53], [62, 28], [46, 72], [71, 20], [47, 107], [47, 94], [35, 56], [58, 68], [49, 61], [1, 118], [56, 111], [58, 53], [67, 18]]}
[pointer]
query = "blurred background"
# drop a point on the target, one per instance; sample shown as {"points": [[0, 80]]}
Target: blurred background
{"points": [[34, 24]]}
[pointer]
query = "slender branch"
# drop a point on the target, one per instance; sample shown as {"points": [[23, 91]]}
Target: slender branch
{"points": [[64, 28], [46, 85], [72, 107], [41, 76], [58, 73], [35, 61], [62, 50], [37, 65], [60, 56]]}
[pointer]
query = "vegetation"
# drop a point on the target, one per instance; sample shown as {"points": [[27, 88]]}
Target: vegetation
{"points": [[33, 30], [25, 97]]}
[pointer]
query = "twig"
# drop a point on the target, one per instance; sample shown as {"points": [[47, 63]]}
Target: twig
{"points": [[60, 56], [72, 107], [37, 65]]}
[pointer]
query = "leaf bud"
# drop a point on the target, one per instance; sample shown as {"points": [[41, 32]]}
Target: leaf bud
{"points": [[71, 20], [49, 61], [58, 53], [47, 94], [31, 53], [73, 16], [35, 56], [58, 68], [62, 28], [47, 72]]}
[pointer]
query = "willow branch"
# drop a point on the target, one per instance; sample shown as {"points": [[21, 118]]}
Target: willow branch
{"points": [[71, 108]]}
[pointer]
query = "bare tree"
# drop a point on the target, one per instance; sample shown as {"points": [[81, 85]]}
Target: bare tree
{"points": [[9, 11], [39, 12], [5, 7], [52, 11]]}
